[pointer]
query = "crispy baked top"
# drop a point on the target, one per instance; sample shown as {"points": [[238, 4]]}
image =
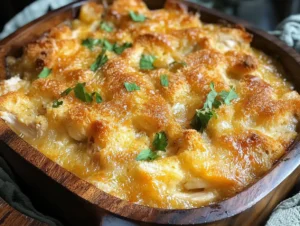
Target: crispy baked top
{"points": [[152, 106]]}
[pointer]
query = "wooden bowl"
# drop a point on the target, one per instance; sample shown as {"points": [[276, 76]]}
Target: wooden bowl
{"points": [[79, 203]]}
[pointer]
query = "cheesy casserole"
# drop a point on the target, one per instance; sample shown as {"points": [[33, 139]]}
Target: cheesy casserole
{"points": [[152, 106]]}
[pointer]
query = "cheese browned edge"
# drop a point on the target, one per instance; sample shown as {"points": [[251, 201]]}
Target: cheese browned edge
{"points": [[99, 142]]}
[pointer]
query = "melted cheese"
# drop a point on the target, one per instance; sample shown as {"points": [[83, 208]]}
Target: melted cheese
{"points": [[100, 142]]}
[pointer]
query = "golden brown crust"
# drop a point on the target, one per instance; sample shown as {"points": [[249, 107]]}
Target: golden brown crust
{"points": [[100, 141]]}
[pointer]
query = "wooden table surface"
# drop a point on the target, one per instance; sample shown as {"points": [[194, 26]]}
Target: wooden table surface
{"points": [[11, 217]]}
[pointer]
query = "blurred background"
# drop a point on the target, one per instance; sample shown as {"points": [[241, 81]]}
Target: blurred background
{"points": [[265, 14]]}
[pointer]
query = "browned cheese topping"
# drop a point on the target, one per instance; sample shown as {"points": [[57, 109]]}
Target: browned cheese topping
{"points": [[152, 106]]}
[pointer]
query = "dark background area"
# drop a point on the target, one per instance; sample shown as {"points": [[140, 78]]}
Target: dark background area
{"points": [[265, 14]]}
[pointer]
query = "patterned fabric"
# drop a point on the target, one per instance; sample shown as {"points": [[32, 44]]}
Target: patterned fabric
{"points": [[289, 31], [287, 213]]}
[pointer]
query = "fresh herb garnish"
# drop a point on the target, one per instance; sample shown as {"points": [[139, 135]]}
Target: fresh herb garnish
{"points": [[164, 81], [66, 92], [100, 61], [57, 103], [147, 154], [131, 86], [146, 62], [228, 96], [211, 98], [202, 116], [107, 45], [106, 26], [44, 73], [98, 98], [136, 17], [119, 49], [160, 141], [81, 94], [90, 43]]}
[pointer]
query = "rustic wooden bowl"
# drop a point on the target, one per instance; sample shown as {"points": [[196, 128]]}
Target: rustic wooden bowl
{"points": [[79, 203]]}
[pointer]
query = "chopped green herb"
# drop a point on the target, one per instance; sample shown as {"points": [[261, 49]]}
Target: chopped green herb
{"points": [[66, 92], [201, 119], [211, 97], [81, 93], [160, 141], [107, 45], [147, 154], [57, 103], [202, 116], [106, 26], [228, 96], [137, 17], [164, 80], [90, 43], [97, 97], [146, 62], [131, 86], [119, 49], [44, 73], [100, 61]]}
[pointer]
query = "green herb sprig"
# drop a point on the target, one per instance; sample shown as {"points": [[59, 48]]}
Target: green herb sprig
{"points": [[81, 93], [146, 155], [159, 143], [146, 62], [130, 87], [57, 103], [213, 101], [45, 72], [90, 43], [164, 81], [105, 26], [100, 61], [136, 17]]}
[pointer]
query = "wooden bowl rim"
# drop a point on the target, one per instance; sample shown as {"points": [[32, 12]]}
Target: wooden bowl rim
{"points": [[215, 212]]}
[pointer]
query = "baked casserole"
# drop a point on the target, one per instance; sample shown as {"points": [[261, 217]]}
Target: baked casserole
{"points": [[152, 106]]}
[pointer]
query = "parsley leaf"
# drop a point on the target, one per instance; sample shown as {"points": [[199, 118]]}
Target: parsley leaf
{"points": [[97, 97], [100, 61], [81, 93], [228, 96], [202, 116], [107, 45], [119, 49], [90, 43], [201, 119], [164, 80], [146, 62], [57, 103], [106, 26], [147, 154], [136, 17], [211, 97], [131, 86], [44, 73], [66, 92], [160, 141]]}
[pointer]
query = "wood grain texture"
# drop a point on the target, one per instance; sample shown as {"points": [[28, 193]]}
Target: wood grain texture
{"points": [[9, 217], [78, 202]]}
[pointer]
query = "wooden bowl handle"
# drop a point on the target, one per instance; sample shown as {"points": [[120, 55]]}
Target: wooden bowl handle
{"points": [[109, 219]]}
